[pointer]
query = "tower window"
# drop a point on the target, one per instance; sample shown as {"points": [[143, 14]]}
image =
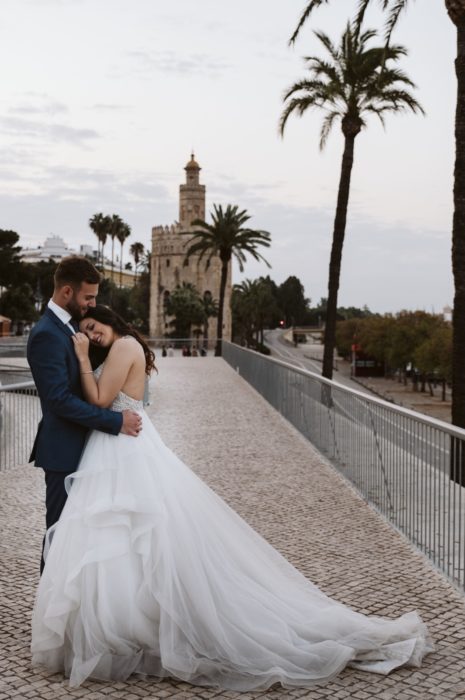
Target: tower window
{"points": [[186, 262], [167, 262]]}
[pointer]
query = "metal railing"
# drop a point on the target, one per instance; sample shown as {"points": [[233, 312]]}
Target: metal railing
{"points": [[409, 466], [20, 413], [13, 347]]}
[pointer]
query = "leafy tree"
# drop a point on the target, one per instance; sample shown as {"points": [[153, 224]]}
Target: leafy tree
{"points": [[118, 298], [39, 276], [254, 309], [376, 337], [410, 330], [348, 334], [434, 356], [292, 301], [186, 305], [352, 83], [9, 257], [226, 237], [17, 303]]}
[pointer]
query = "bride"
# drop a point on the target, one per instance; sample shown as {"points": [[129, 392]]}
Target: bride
{"points": [[148, 571]]}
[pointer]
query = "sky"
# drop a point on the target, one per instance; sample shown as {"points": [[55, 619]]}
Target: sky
{"points": [[102, 102]]}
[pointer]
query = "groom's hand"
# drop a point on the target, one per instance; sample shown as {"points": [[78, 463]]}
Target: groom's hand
{"points": [[132, 423]]}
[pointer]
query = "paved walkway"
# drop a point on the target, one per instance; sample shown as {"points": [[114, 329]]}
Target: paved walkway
{"points": [[265, 470]]}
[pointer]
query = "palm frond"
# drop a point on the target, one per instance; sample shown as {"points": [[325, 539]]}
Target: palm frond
{"points": [[328, 122], [397, 7], [312, 5], [360, 16], [400, 100], [379, 113], [300, 106], [321, 68], [328, 44], [316, 87]]}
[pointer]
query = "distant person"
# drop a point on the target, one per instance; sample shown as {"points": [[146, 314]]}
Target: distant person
{"points": [[163, 351]]}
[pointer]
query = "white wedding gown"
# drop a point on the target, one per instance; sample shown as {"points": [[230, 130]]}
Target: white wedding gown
{"points": [[150, 572]]}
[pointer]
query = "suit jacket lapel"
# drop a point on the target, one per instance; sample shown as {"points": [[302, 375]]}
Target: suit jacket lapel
{"points": [[62, 326]]}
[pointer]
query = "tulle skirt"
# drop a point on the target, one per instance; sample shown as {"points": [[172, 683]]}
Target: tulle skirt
{"points": [[148, 571]]}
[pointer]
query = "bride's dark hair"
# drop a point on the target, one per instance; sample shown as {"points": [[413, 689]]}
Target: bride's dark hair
{"points": [[103, 314]]}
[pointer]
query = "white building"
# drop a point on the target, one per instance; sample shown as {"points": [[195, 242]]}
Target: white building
{"points": [[54, 248]]}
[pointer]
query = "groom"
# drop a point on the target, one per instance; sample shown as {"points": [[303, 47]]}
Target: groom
{"points": [[66, 417]]}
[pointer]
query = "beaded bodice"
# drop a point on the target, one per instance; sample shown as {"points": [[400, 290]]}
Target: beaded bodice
{"points": [[122, 401]]}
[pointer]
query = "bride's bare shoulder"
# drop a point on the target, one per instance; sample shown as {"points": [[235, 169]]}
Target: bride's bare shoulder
{"points": [[128, 346]]}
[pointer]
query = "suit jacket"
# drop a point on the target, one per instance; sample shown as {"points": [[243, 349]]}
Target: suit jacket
{"points": [[66, 418]]}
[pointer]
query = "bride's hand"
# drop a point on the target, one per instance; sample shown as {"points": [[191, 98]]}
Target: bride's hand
{"points": [[81, 346]]}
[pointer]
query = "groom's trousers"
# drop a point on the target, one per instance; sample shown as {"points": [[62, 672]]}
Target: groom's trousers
{"points": [[55, 499]]}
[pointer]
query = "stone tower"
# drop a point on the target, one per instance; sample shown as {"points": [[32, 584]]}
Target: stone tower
{"points": [[169, 267], [191, 196]]}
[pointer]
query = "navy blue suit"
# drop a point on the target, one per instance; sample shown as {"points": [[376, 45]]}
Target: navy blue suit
{"points": [[66, 418]]}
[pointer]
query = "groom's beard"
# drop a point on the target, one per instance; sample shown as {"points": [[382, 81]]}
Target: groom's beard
{"points": [[76, 311]]}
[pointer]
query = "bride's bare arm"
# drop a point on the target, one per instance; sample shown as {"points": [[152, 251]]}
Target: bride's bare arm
{"points": [[117, 365]]}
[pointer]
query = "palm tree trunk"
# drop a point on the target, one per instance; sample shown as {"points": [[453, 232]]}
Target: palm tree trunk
{"points": [[336, 255], [112, 256], [457, 453], [219, 332], [458, 241], [121, 267]]}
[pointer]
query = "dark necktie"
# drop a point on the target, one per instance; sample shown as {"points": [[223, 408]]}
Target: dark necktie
{"points": [[75, 325]]}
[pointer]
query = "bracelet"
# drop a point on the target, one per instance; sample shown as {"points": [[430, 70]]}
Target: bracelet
{"points": [[89, 372]]}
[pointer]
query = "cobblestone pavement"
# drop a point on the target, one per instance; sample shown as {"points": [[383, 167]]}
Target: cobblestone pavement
{"points": [[265, 470]]}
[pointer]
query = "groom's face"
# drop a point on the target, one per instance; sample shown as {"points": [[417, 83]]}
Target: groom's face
{"points": [[80, 300]]}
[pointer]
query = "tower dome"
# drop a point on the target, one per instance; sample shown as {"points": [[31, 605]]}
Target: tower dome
{"points": [[192, 164]]}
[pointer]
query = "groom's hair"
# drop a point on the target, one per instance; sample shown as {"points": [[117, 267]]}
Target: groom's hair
{"points": [[74, 271]]}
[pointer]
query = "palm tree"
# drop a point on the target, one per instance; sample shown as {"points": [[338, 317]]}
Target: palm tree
{"points": [[99, 225], [226, 237], [115, 223], [137, 251], [354, 82], [123, 232], [456, 12], [255, 307]]}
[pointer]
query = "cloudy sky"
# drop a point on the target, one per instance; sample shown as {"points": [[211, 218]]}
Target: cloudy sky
{"points": [[103, 100]]}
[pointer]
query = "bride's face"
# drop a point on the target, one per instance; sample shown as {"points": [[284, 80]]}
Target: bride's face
{"points": [[98, 333]]}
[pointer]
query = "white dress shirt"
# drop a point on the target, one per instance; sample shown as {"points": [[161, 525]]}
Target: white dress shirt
{"points": [[63, 315]]}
